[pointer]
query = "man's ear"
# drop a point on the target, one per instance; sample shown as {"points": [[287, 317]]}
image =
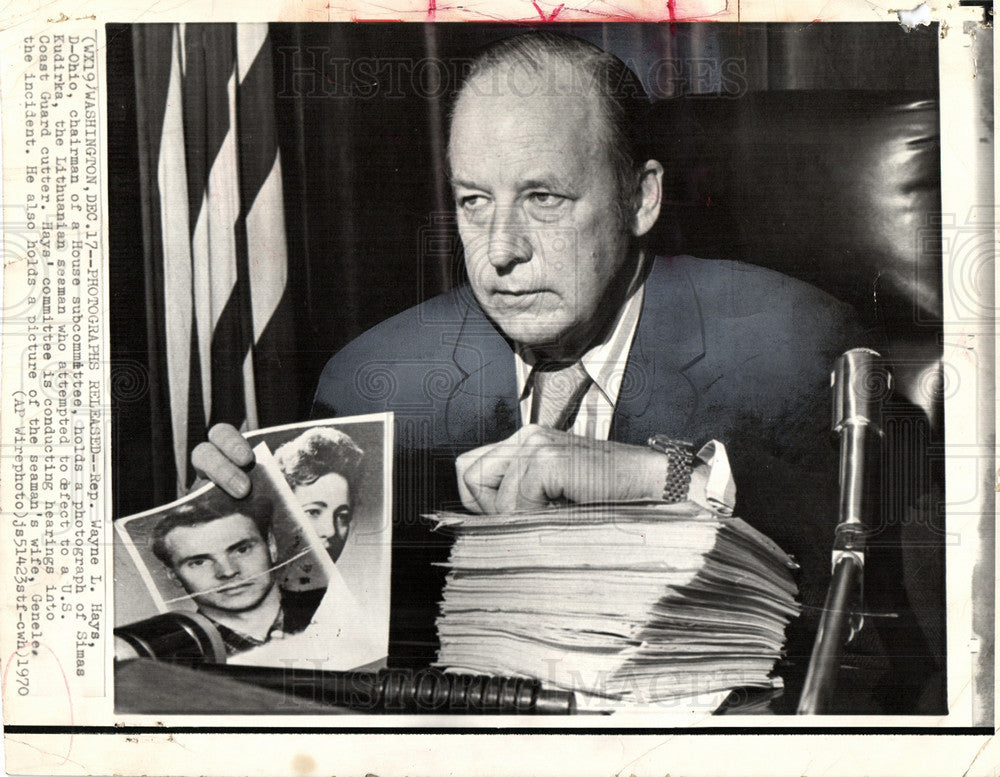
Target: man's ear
{"points": [[272, 546], [173, 576], [650, 197]]}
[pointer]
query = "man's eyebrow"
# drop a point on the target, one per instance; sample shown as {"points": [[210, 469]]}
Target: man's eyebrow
{"points": [[464, 184], [195, 557], [315, 502], [544, 183], [551, 182]]}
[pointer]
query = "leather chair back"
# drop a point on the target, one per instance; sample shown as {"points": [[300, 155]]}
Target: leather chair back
{"points": [[838, 188]]}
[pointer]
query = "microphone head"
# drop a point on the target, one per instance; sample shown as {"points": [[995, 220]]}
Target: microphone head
{"points": [[179, 637], [859, 382]]}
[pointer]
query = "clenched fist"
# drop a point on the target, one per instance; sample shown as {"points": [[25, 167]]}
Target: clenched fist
{"points": [[538, 466]]}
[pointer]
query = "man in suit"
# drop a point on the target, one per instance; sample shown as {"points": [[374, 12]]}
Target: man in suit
{"points": [[544, 377]]}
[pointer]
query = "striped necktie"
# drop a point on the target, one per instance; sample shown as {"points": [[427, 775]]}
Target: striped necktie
{"points": [[556, 393]]}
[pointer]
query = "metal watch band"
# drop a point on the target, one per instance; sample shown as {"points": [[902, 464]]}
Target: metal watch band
{"points": [[680, 462]]}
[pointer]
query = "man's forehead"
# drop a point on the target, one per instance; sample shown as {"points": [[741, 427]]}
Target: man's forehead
{"points": [[542, 93], [529, 135], [220, 531]]}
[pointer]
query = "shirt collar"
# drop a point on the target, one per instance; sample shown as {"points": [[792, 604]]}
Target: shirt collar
{"points": [[605, 362], [238, 641]]}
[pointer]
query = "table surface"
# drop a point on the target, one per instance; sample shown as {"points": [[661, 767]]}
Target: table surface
{"points": [[143, 686]]}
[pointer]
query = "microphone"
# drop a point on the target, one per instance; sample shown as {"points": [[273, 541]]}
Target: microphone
{"points": [[859, 381], [176, 637], [405, 691]]}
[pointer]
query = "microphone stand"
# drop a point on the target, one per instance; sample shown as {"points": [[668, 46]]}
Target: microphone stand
{"points": [[857, 382]]}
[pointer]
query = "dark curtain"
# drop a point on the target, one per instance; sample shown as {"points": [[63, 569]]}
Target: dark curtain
{"points": [[361, 113]]}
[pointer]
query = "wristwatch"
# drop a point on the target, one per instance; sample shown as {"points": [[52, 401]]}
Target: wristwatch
{"points": [[680, 463]]}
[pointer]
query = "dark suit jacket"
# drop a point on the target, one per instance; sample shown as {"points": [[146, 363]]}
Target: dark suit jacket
{"points": [[723, 350]]}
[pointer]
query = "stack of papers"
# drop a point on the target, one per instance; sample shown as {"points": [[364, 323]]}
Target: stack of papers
{"points": [[625, 604]]}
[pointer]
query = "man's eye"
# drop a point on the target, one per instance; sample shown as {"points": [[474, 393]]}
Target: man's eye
{"points": [[472, 202], [314, 512], [546, 199], [194, 563], [245, 548], [344, 514]]}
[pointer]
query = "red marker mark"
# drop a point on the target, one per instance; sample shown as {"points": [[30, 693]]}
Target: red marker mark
{"points": [[672, 10], [551, 17], [432, 7]]}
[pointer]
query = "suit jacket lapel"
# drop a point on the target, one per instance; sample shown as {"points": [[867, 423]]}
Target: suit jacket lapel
{"points": [[483, 406], [669, 339]]}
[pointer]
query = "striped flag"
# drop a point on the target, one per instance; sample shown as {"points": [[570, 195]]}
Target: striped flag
{"points": [[214, 229]]}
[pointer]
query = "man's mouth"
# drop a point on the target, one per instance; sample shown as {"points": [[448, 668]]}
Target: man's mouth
{"points": [[518, 292], [235, 588], [516, 297]]}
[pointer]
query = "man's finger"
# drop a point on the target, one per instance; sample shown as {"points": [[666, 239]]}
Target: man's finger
{"points": [[483, 472], [482, 475], [469, 488], [524, 483], [462, 464], [210, 463], [232, 444], [509, 490]]}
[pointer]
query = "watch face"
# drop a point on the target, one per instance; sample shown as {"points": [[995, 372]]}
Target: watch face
{"points": [[663, 444]]}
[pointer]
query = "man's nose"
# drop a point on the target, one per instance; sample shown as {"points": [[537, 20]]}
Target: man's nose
{"points": [[225, 569], [509, 240]]}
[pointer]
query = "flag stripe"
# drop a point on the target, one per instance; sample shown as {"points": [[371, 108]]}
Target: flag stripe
{"points": [[258, 140], [208, 68], [260, 177], [197, 424], [151, 47], [267, 252], [251, 42], [231, 328], [172, 181]]}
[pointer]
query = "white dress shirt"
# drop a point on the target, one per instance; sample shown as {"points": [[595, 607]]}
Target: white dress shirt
{"points": [[604, 364]]}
